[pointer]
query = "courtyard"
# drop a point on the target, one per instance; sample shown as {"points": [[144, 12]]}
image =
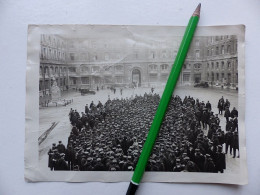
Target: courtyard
{"points": [[61, 132]]}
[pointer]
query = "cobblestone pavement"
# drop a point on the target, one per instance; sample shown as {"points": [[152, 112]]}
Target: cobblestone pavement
{"points": [[60, 114]]}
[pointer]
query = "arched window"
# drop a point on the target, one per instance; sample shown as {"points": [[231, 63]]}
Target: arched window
{"points": [[119, 68], [164, 54], [228, 49], [216, 50], [222, 65], [228, 65], [40, 70]]}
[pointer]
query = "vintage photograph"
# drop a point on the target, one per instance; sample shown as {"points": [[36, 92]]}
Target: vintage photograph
{"points": [[99, 88]]}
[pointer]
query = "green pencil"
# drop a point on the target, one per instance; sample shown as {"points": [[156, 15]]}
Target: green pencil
{"points": [[166, 96]]}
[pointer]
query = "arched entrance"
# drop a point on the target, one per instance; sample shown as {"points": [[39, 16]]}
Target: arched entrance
{"points": [[136, 77]]}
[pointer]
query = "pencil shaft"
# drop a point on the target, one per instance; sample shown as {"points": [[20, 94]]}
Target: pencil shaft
{"points": [[167, 94]]}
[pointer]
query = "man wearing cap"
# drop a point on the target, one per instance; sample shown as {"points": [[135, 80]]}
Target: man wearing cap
{"points": [[178, 167], [227, 113], [86, 109], [199, 159], [61, 148], [99, 166], [51, 156], [220, 160], [70, 156], [235, 144]]}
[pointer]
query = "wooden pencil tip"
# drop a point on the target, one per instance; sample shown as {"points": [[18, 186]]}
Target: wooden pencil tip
{"points": [[197, 11]]}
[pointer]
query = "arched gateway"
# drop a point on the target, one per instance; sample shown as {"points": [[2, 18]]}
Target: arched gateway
{"points": [[136, 77]]}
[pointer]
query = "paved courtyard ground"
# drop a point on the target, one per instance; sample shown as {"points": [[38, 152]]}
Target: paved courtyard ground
{"points": [[60, 114]]}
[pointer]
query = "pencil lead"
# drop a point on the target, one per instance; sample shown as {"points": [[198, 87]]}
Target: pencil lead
{"points": [[197, 11]]}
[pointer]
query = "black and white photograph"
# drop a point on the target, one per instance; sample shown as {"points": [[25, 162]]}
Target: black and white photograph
{"points": [[93, 92]]}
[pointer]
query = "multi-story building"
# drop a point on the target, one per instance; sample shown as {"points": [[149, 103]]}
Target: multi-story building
{"points": [[52, 63], [221, 60], [88, 63]]}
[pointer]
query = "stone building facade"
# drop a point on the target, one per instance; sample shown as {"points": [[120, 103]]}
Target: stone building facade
{"points": [[88, 63]]}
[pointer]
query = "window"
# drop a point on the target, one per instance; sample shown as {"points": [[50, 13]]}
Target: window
{"points": [[153, 67], [50, 56], [222, 65], [228, 49], [95, 68], [212, 65], [212, 51], [165, 66], [208, 52], [222, 49], [208, 65], [85, 80], [84, 69], [186, 77], [72, 69], [229, 64], [119, 68], [197, 53], [217, 64], [164, 54], [106, 56], [197, 43], [152, 55], [216, 50], [72, 56]]}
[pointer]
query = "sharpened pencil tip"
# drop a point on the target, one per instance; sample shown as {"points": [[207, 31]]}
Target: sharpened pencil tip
{"points": [[197, 11]]}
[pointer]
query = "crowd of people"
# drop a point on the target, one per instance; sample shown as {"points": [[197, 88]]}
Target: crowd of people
{"points": [[110, 137]]}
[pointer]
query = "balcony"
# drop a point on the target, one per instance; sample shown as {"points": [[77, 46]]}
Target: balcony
{"points": [[108, 73], [72, 73], [165, 72], [153, 72], [119, 72], [85, 73]]}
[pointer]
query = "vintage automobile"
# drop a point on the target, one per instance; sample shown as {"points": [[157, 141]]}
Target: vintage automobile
{"points": [[202, 84], [87, 91]]}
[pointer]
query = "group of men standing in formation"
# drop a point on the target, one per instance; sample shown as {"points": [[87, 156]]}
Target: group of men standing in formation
{"points": [[110, 137]]}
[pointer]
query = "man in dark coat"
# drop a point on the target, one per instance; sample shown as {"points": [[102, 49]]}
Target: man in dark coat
{"points": [[235, 144], [70, 157], [208, 106], [61, 148], [228, 141], [86, 109], [199, 159], [99, 166], [220, 160], [61, 164], [220, 107], [51, 156], [234, 113], [227, 113]]}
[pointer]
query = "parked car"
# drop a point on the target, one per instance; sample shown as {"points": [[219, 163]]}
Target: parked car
{"points": [[202, 84], [87, 91]]}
